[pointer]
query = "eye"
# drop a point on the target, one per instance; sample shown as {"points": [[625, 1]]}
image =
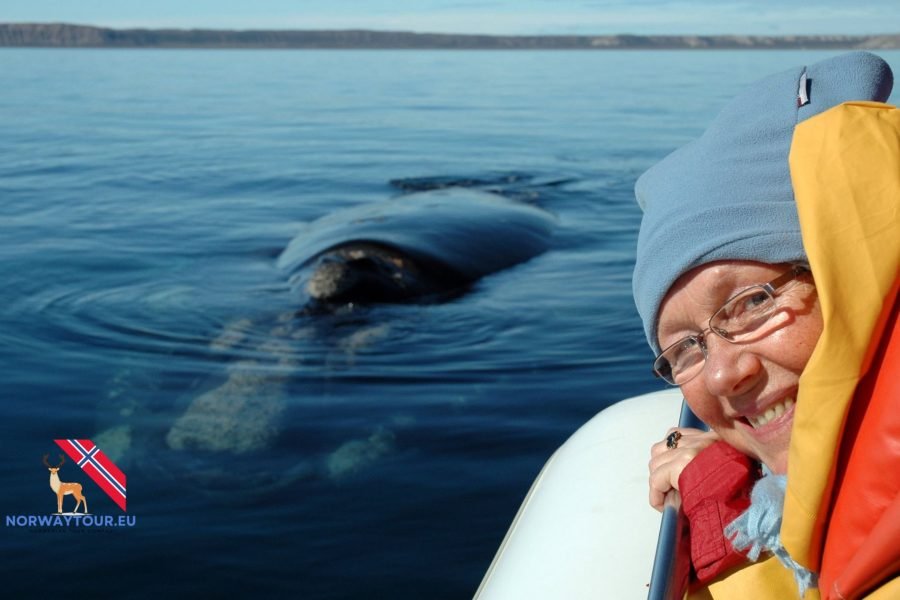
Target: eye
{"points": [[748, 303], [688, 343], [755, 300]]}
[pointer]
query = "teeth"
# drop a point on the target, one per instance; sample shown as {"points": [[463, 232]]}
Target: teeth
{"points": [[772, 413]]}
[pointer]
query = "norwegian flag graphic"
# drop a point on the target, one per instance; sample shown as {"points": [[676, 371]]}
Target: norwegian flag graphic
{"points": [[97, 465]]}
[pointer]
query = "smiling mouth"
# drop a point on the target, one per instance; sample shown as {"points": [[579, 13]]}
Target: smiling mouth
{"points": [[771, 413]]}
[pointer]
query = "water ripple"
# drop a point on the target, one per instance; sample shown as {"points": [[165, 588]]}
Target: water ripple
{"points": [[138, 317]]}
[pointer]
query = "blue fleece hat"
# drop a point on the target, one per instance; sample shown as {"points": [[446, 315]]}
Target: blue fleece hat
{"points": [[728, 194]]}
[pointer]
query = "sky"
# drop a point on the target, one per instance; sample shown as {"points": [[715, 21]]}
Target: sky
{"points": [[503, 17]]}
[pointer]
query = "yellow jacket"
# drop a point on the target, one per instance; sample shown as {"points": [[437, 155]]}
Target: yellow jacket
{"points": [[845, 170]]}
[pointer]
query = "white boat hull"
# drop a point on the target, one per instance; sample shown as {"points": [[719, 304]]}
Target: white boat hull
{"points": [[586, 529]]}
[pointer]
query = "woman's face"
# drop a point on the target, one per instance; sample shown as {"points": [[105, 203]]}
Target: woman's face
{"points": [[745, 392]]}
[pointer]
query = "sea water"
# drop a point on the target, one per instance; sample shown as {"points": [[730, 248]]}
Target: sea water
{"points": [[144, 198]]}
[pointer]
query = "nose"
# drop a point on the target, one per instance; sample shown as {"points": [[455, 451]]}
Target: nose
{"points": [[731, 369]]}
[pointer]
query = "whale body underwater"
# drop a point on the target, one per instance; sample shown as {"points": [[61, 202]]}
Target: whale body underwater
{"points": [[420, 247], [427, 246]]}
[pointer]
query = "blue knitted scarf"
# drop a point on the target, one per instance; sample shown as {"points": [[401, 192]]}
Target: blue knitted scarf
{"points": [[759, 528]]}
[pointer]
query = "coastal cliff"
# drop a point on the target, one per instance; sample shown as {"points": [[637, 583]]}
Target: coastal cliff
{"points": [[61, 35]]}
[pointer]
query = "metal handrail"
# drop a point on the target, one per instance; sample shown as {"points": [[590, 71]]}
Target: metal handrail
{"points": [[671, 565]]}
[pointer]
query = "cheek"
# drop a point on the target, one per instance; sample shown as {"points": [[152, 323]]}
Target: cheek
{"points": [[706, 406], [791, 347]]}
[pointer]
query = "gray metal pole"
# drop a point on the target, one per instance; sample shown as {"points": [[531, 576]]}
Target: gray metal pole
{"points": [[671, 565]]}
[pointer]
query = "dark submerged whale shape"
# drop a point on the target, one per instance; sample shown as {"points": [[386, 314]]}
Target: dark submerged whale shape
{"points": [[425, 246]]}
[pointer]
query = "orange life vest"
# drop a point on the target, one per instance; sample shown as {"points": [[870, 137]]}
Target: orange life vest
{"points": [[842, 504]]}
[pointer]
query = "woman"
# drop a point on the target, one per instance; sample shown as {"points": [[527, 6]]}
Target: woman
{"points": [[766, 277]]}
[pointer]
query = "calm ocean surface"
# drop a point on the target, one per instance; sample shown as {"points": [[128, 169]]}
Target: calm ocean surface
{"points": [[144, 198]]}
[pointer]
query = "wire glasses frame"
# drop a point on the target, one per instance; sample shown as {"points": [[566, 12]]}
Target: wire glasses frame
{"points": [[740, 319]]}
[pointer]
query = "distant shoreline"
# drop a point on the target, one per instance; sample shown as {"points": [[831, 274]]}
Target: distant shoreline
{"points": [[62, 35]]}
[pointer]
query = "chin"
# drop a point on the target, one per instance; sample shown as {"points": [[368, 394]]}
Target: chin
{"points": [[778, 463]]}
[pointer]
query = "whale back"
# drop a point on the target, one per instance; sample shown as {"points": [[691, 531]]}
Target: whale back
{"points": [[468, 232]]}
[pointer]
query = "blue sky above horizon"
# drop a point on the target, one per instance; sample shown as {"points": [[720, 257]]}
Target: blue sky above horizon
{"points": [[522, 17]]}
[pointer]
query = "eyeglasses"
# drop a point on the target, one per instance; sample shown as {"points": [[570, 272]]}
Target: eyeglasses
{"points": [[743, 318]]}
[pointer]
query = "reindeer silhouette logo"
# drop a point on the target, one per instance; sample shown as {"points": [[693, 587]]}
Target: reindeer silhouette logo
{"points": [[62, 489]]}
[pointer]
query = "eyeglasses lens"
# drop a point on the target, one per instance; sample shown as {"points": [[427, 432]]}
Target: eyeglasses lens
{"points": [[682, 361], [744, 316]]}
